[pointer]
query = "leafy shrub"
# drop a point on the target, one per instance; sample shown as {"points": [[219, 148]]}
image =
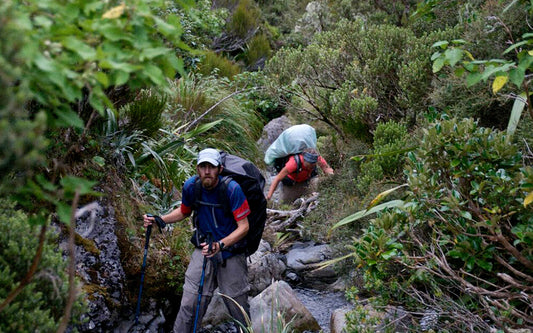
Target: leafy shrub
{"points": [[387, 157], [259, 94], [462, 245], [359, 74], [39, 306]]}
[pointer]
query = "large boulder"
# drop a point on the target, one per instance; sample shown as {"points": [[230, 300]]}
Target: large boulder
{"points": [[272, 130], [264, 266], [279, 303], [98, 266]]}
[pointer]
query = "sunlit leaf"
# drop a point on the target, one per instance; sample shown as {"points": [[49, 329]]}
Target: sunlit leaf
{"points": [[384, 194], [528, 199], [499, 82], [115, 12]]}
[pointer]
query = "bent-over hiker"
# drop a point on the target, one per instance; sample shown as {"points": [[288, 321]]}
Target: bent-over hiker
{"points": [[225, 268], [297, 173]]}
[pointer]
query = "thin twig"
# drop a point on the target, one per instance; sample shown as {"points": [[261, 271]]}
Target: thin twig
{"points": [[72, 266]]}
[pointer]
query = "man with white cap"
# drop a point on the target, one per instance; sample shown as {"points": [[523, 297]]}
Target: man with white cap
{"points": [[216, 234]]}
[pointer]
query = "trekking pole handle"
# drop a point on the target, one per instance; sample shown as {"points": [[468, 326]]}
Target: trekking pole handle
{"points": [[210, 242], [159, 221]]}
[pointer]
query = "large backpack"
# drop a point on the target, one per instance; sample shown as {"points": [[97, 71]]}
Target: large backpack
{"points": [[279, 163], [252, 182]]}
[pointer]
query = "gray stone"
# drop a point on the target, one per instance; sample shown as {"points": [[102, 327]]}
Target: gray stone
{"points": [[279, 303], [264, 267], [338, 320]]}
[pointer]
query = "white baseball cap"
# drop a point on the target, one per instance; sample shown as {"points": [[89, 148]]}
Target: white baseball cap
{"points": [[209, 155]]}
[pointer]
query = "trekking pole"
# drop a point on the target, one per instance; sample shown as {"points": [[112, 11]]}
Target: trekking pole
{"points": [[201, 286], [147, 240], [161, 224]]}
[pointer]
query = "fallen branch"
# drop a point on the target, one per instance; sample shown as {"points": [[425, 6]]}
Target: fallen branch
{"points": [[287, 219]]}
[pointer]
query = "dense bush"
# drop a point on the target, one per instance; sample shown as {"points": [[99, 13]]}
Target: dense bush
{"points": [[359, 75], [461, 248], [386, 158], [40, 305]]}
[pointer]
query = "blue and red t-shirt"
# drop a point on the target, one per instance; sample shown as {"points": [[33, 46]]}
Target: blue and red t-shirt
{"points": [[213, 219]]}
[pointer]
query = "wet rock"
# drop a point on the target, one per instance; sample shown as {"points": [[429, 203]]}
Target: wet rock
{"points": [[337, 323], [98, 266], [303, 259], [264, 266], [280, 301]]}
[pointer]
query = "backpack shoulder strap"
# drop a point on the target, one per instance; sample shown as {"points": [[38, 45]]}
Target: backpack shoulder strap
{"points": [[223, 194], [298, 159]]}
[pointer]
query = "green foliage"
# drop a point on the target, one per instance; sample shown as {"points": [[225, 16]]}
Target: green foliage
{"points": [[463, 225], [257, 49], [358, 75], [507, 67], [58, 51], [40, 304], [213, 63], [260, 94], [387, 158], [244, 19], [210, 102]]}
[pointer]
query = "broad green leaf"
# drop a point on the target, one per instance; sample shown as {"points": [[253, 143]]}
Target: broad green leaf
{"points": [[70, 118], [96, 102], [489, 71], [155, 74], [435, 55], [453, 55], [43, 21], [44, 63], [473, 78], [389, 254], [83, 186], [151, 53], [165, 28], [438, 64], [484, 264], [516, 113], [102, 78], [121, 77], [443, 44], [517, 75], [363, 213], [499, 82], [83, 50], [64, 212]]}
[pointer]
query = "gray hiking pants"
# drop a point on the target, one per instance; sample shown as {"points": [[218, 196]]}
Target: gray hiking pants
{"points": [[232, 280]]}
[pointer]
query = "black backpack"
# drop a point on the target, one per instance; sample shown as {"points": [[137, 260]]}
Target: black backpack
{"points": [[252, 182], [279, 163]]}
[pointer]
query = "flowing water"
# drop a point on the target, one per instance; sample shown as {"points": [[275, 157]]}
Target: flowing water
{"points": [[321, 304]]}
